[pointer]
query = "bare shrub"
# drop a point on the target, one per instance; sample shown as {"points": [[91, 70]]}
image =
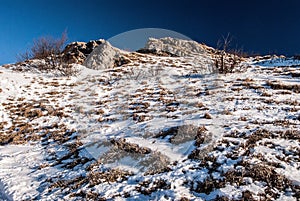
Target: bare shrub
{"points": [[227, 60], [44, 47], [49, 50], [56, 63], [47, 46]]}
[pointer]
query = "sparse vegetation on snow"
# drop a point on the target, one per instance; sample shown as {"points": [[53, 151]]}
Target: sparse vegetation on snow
{"points": [[156, 127]]}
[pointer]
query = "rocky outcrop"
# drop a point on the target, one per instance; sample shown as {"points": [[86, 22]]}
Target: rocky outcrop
{"points": [[176, 47], [101, 55], [105, 56], [199, 55], [77, 52]]}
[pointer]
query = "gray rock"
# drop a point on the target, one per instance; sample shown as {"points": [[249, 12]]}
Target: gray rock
{"points": [[178, 47], [102, 57]]}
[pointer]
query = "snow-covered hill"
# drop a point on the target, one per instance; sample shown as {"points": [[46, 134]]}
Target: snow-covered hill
{"points": [[154, 128]]}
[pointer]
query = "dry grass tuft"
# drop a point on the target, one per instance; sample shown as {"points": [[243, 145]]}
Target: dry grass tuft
{"points": [[110, 176], [283, 86], [33, 113], [129, 147], [88, 195], [184, 133], [147, 187]]}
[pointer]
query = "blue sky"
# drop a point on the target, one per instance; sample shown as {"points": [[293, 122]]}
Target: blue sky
{"points": [[257, 26]]}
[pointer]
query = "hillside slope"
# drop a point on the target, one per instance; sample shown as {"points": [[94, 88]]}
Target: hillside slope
{"points": [[155, 128]]}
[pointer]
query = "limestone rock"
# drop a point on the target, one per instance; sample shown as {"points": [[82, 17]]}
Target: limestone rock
{"points": [[178, 47], [102, 57]]}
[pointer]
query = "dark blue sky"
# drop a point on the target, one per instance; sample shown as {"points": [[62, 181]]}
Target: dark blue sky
{"points": [[258, 26]]}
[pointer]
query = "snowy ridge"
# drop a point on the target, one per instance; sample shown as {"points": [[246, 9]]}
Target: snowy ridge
{"points": [[155, 128]]}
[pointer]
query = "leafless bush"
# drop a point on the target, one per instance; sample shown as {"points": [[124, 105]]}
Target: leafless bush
{"points": [[48, 46], [48, 49], [226, 59], [56, 63], [44, 47]]}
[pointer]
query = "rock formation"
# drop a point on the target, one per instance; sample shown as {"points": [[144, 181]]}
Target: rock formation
{"points": [[176, 47], [77, 52], [102, 57]]}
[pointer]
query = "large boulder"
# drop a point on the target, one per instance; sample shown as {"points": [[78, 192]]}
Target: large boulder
{"points": [[102, 57]]}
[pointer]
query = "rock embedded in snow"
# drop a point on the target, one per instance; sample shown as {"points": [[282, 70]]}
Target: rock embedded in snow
{"points": [[102, 57], [178, 47], [201, 56]]}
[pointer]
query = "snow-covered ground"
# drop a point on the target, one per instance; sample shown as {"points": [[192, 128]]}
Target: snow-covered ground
{"points": [[159, 128]]}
